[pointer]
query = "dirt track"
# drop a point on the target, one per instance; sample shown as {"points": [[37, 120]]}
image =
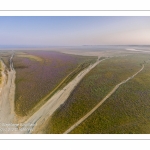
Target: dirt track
{"points": [[101, 102], [7, 115], [39, 117]]}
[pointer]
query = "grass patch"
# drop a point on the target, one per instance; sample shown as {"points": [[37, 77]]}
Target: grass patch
{"points": [[127, 111], [30, 57], [92, 89]]}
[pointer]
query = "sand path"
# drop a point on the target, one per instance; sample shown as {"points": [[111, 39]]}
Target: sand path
{"points": [[7, 95]]}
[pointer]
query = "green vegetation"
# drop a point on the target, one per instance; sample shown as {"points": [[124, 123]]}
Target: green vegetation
{"points": [[91, 90], [126, 111]]}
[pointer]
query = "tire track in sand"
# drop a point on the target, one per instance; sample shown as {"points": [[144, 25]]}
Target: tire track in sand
{"points": [[41, 115]]}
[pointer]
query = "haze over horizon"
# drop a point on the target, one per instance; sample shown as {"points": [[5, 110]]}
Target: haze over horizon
{"points": [[74, 31]]}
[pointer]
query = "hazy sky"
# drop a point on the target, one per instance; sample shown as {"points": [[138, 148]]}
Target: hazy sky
{"points": [[63, 31]]}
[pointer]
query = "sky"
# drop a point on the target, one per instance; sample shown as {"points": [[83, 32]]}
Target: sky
{"points": [[74, 31]]}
